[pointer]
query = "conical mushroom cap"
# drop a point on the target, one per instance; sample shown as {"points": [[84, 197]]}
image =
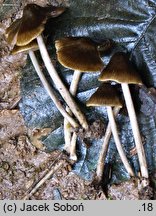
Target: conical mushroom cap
{"points": [[78, 54], [120, 70], [33, 20], [106, 95], [31, 46], [31, 24]]}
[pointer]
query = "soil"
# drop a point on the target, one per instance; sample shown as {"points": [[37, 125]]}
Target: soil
{"points": [[129, 190]]}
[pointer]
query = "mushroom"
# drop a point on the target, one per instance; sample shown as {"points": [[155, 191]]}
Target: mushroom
{"points": [[122, 71], [106, 95], [80, 55], [30, 27]]}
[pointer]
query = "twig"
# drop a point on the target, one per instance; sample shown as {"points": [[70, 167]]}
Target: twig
{"points": [[45, 177]]}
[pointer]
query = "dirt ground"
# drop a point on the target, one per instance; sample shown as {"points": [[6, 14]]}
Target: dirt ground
{"points": [[23, 159]]}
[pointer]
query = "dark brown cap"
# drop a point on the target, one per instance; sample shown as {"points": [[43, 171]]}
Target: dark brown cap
{"points": [[31, 24], [31, 46], [78, 54], [120, 70], [106, 95]]}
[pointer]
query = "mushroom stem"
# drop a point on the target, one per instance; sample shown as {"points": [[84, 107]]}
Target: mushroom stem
{"points": [[67, 135], [50, 90], [67, 129], [117, 141], [58, 82], [135, 129], [104, 149], [75, 82], [73, 155]]}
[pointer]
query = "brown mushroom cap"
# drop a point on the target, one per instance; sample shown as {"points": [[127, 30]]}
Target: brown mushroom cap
{"points": [[12, 32], [31, 24], [31, 46], [78, 54], [106, 95], [120, 70]]}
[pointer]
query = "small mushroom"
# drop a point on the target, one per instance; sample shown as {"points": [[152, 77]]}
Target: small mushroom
{"points": [[106, 95], [122, 71], [30, 27], [80, 55]]}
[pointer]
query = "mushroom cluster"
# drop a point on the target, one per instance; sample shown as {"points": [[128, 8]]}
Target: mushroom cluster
{"points": [[120, 70], [80, 55], [25, 35]]}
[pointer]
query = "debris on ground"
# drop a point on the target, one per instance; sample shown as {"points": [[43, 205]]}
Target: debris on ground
{"points": [[130, 190]]}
